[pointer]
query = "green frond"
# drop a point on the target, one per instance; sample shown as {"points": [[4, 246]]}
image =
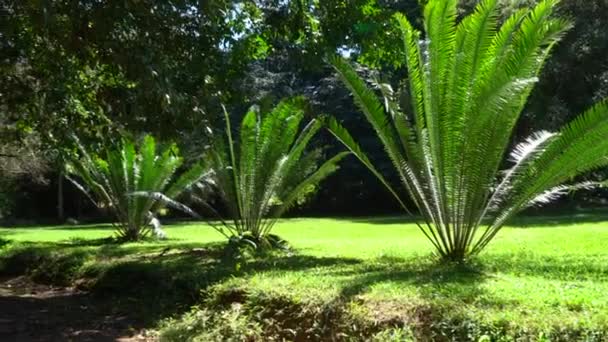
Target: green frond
{"points": [[273, 157], [580, 147], [414, 63], [165, 200], [347, 140], [187, 180], [329, 167], [468, 83], [372, 108], [123, 170]]}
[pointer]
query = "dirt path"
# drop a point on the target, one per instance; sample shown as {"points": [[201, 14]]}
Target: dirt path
{"points": [[34, 312]]}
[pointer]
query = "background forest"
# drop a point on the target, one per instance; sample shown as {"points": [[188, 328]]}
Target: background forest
{"points": [[102, 69]]}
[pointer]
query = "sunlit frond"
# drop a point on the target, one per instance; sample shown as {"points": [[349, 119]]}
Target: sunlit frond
{"points": [[133, 184], [468, 83], [275, 170]]}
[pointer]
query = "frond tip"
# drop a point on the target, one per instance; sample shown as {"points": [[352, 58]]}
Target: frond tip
{"points": [[532, 146]]}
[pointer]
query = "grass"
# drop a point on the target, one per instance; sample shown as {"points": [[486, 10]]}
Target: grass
{"points": [[541, 279]]}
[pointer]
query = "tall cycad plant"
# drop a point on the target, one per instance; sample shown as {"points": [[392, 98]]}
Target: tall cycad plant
{"points": [[447, 134], [133, 183], [265, 171]]}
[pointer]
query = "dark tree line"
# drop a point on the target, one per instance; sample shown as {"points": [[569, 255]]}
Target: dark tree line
{"points": [[102, 69]]}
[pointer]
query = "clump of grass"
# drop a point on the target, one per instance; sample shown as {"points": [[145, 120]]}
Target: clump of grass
{"points": [[393, 335], [274, 317], [40, 261], [203, 325], [293, 318]]}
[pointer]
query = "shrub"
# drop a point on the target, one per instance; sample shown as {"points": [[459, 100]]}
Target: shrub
{"points": [[447, 134], [265, 172], [133, 184]]}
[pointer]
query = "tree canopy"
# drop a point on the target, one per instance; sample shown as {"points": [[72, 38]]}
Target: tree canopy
{"points": [[164, 67]]}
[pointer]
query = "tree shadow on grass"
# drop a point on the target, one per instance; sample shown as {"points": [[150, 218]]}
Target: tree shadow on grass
{"points": [[520, 221], [97, 226], [443, 291], [399, 219], [563, 267], [549, 221], [144, 281], [156, 287], [150, 281], [81, 242], [6, 232], [3, 240], [48, 314], [426, 274]]}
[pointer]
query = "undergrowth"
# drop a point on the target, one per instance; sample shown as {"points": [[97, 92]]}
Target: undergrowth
{"points": [[332, 288]]}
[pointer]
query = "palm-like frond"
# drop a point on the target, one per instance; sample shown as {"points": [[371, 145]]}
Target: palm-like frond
{"points": [[268, 170], [468, 83], [133, 184]]}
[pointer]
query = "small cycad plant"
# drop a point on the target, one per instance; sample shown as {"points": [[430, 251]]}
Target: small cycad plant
{"points": [[448, 130], [262, 171], [133, 183]]}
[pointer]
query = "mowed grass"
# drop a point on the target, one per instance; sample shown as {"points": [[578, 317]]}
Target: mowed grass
{"points": [[540, 276]]}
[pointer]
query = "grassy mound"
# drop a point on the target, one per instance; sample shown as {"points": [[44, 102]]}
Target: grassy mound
{"points": [[350, 280]]}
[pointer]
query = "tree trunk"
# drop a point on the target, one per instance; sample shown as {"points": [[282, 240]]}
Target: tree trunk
{"points": [[60, 200]]}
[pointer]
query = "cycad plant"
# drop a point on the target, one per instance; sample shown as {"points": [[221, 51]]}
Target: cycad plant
{"points": [[133, 183], [448, 130], [264, 172]]}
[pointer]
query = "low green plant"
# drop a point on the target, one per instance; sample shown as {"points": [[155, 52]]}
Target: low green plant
{"points": [[204, 325], [134, 184], [447, 133], [393, 335], [264, 172]]}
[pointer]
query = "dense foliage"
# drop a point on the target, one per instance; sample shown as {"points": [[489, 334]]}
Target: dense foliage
{"points": [[102, 68], [448, 133]]}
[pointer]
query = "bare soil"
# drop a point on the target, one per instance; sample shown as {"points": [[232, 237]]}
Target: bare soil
{"points": [[36, 312]]}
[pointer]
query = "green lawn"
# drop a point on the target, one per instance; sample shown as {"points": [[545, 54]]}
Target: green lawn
{"points": [[542, 279]]}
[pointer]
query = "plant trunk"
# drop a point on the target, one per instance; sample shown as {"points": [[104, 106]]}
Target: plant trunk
{"points": [[60, 198]]}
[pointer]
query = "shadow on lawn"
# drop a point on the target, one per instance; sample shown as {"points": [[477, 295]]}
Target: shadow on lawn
{"points": [[3, 240], [427, 275], [148, 281], [457, 284], [548, 221], [522, 221], [161, 286], [564, 267], [47, 314]]}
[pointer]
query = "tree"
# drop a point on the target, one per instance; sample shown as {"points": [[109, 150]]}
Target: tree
{"points": [[100, 69], [133, 184], [265, 172], [447, 135], [20, 163], [142, 65]]}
